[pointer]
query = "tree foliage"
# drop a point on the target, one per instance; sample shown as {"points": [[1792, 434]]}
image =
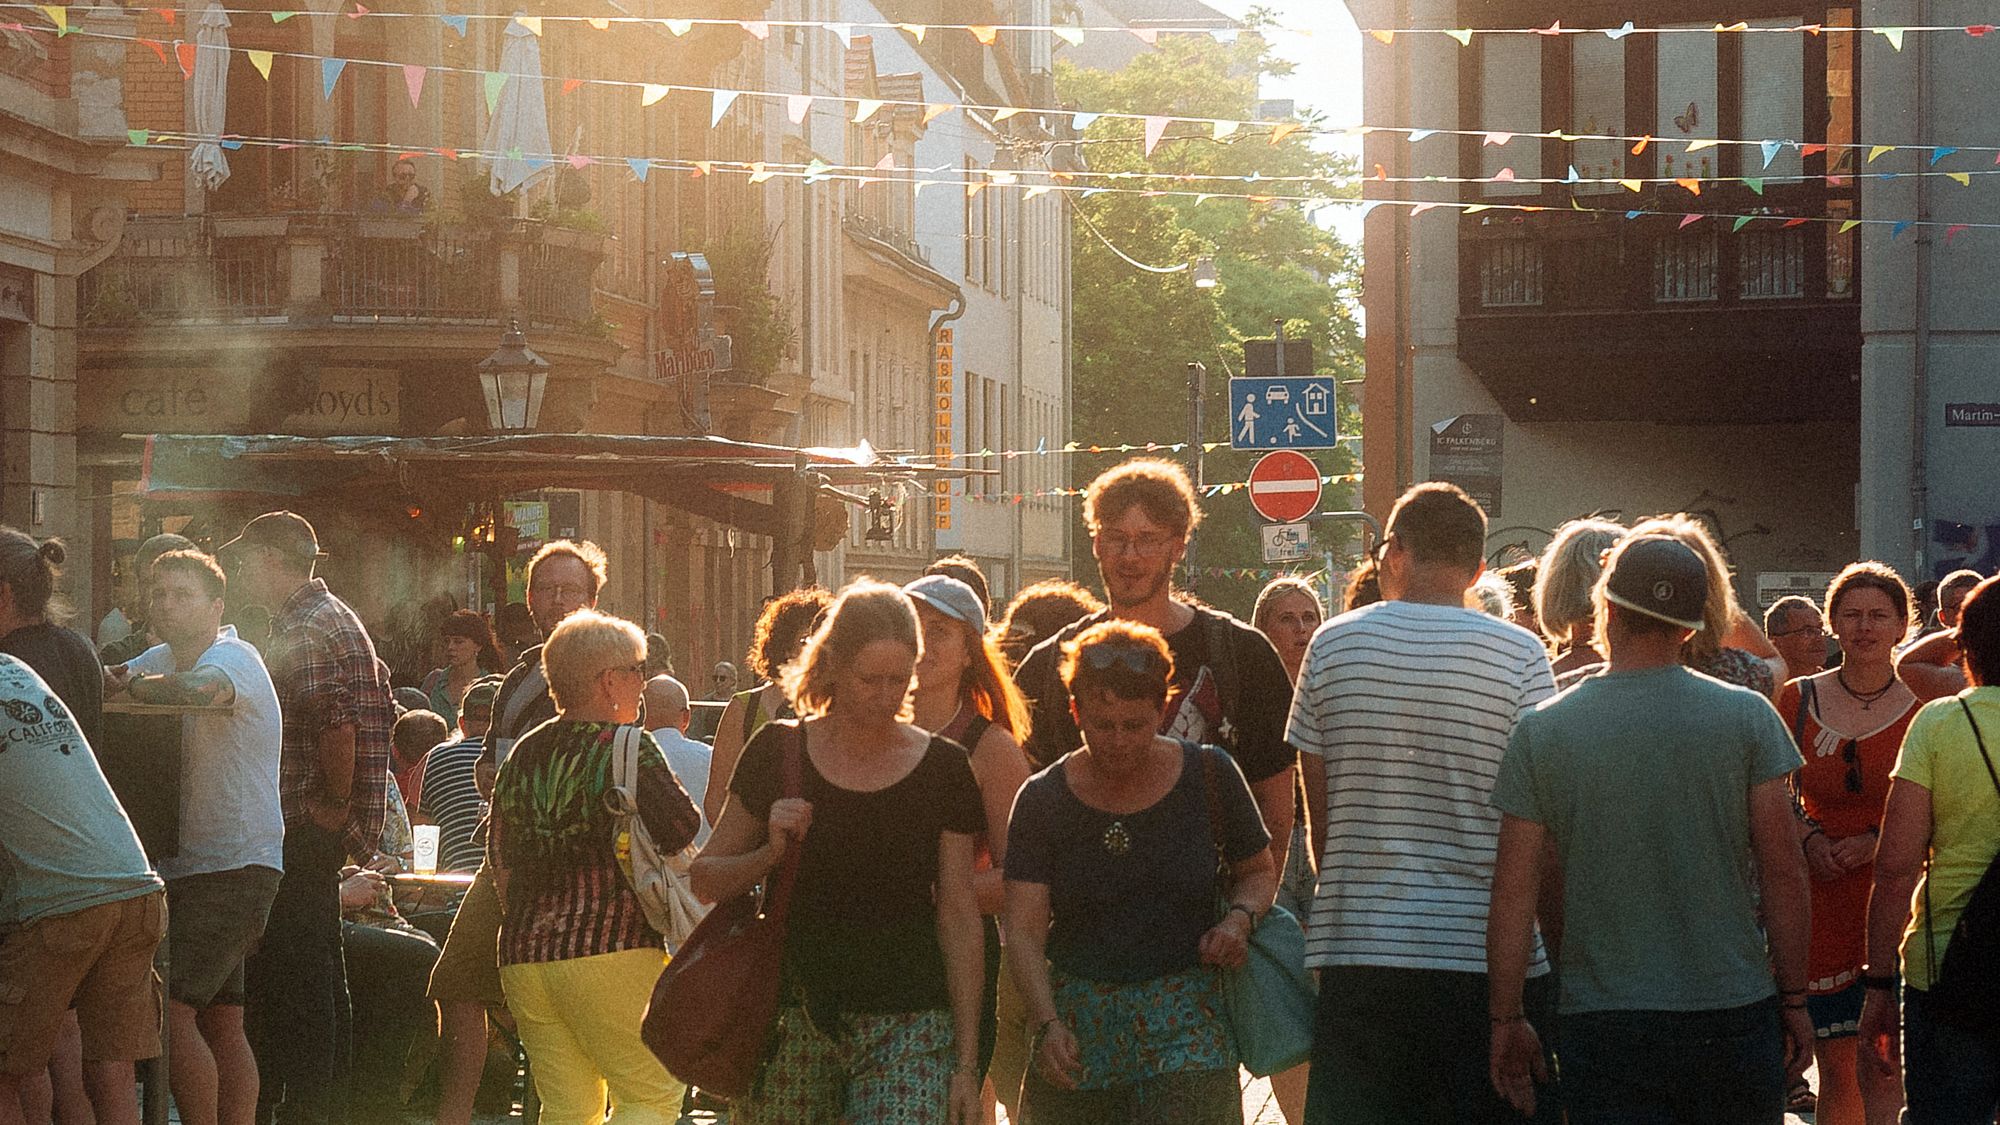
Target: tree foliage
{"points": [[1135, 331]]}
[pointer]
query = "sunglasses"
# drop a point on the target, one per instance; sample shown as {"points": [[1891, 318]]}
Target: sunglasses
{"points": [[1850, 754], [1138, 661]]}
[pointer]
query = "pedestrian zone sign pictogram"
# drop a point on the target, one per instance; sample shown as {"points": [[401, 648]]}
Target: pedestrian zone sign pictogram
{"points": [[1282, 413], [1284, 486]]}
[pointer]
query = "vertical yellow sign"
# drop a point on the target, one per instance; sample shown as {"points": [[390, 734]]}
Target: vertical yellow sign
{"points": [[941, 452]]}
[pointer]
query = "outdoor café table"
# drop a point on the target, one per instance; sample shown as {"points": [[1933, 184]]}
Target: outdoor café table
{"points": [[141, 758]]}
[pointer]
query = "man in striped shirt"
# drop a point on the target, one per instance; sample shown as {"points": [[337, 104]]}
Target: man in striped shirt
{"points": [[1402, 712]]}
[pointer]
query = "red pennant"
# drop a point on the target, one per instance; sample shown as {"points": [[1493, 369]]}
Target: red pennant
{"points": [[1954, 231], [185, 52], [407, 156], [1811, 150], [1978, 30], [166, 14], [1795, 223], [448, 153], [571, 84], [159, 49]]}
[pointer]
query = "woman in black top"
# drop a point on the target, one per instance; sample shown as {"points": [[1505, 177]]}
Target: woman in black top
{"points": [[62, 657], [883, 948]]}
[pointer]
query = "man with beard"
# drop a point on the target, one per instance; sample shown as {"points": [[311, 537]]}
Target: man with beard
{"points": [[1229, 689], [563, 577]]}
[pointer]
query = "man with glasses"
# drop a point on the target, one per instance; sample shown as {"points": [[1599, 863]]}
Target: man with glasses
{"points": [[403, 194], [1794, 625], [563, 577], [1229, 686]]}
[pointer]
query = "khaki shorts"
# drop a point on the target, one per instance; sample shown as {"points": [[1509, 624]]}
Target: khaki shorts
{"points": [[468, 967], [98, 960]]}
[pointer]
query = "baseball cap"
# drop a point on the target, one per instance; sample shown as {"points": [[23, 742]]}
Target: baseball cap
{"points": [[480, 696], [950, 597], [285, 532], [1660, 577]]}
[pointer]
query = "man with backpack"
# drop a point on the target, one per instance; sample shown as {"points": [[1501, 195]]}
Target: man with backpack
{"points": [[1229, 685], [563, 577]]}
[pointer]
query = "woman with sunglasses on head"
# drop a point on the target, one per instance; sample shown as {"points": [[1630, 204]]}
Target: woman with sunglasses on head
{"points": [[1112, 932], [1849, 722]]}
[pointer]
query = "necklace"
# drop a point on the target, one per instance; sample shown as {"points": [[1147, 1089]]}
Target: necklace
{"points": [[1117, 841], [1865, 698]]}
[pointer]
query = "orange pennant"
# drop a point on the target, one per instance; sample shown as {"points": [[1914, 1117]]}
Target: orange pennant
{"points": [[158, 47], [985, 33], [1692, 185], [166, 14], [1641, 146], [185, 52], [570, 84]]}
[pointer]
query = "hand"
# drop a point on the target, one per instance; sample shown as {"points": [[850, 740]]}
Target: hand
{"points": [[1798, 1042], [116, 677], [386, 864], [1855, 852], [965, 1106], [1516, 1064], [789, 820], [1881, 1032], [360, 889], [1227, 943], [1819, 857], [1058, 1056]]}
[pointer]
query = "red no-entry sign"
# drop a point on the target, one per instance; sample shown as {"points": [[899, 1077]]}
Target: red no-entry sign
{"points": [[1284, 487]]}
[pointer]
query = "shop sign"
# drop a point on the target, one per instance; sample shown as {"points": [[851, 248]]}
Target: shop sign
{"points": [[1972, 413], [942, 446], [333, 400], [1466, 450], [689, 345]]}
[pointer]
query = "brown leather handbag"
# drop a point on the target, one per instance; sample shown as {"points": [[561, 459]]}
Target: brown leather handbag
{"points": [[714, 1007]]}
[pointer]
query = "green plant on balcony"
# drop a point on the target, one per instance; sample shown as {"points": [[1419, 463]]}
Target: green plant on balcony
{"points": [[569, 218], [473, 199], [110, 300], [759, 324]]}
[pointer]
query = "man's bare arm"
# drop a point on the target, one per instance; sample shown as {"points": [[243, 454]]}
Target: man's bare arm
{"points": [[197, 687]]}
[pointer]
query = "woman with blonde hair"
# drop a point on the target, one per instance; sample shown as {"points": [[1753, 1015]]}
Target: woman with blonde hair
{"points": [[577, 957], [1729, 646], [879, 1003], [1568, 572]]}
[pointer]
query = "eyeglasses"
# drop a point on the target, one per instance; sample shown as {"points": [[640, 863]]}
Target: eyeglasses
{"points": [[1139, 661], [556, 590], [1802, 630], [1381, 549], [1144, 546]]}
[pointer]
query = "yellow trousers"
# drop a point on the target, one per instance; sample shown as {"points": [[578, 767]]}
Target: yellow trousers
{"points": [[579, 1020]]}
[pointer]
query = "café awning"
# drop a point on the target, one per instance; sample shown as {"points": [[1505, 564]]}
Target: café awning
{"points": [[729, 481]]}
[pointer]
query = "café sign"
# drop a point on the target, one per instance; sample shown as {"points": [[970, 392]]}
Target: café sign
{"points": [[689, 350], [326, 402]]}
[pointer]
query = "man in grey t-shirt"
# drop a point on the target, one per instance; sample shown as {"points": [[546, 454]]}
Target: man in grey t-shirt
{"points": [[1663, 794]]}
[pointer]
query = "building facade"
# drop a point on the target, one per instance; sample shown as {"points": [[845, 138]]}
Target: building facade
{"points": [[1604, 352]]}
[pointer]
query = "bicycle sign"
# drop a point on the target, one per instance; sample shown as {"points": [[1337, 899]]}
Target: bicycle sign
{"points": [[1289, 413]]}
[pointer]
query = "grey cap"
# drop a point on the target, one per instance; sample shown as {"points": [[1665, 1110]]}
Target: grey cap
{"points": [[1660, 577], [950, 597]]}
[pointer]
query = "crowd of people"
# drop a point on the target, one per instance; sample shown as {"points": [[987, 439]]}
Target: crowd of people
{"points": [[1575, 840]]}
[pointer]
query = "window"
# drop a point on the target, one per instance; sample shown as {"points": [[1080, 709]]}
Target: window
{"points": [[1772, 103], [1597, 105], [1685, 89], [976, 218], [1511, 99]]}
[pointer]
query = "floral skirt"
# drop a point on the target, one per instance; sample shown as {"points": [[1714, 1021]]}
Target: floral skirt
{"points": [[1156, 1051]]}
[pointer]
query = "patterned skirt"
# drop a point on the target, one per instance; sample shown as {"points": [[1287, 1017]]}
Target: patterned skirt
{"points": [[1157, 1051]]}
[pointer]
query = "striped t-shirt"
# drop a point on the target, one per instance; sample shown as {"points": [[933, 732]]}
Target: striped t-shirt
{"points": [[1410, 706]]}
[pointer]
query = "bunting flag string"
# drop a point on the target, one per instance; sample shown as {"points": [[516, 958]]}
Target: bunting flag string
{"points": [[1148, 129], [761, 171], [1207, 491], [987, 35]]}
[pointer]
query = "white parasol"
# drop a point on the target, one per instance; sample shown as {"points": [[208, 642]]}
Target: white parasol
{"points": [[520, 121], [211, 97]]}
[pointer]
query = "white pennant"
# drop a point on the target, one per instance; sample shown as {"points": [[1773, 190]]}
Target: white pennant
{"points": [[723, 100]]}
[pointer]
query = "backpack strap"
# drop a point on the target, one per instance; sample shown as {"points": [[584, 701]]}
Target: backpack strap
{"points": [[1980, 741], [1222, 663]]}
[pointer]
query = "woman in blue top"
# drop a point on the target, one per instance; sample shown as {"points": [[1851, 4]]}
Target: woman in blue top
{"points": [[1111, 909]]}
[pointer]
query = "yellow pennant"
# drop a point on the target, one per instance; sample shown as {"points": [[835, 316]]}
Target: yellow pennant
{"points": [[262, 61], [652, 92]]}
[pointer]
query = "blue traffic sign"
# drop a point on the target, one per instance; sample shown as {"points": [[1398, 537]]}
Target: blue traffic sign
{"points": [[1291, 413]]}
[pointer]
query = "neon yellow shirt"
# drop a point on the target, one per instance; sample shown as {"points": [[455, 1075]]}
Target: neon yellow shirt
{"points": [[1940, 754]]}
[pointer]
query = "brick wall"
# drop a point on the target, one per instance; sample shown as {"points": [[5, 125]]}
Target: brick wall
{"points": [[155, 99]]}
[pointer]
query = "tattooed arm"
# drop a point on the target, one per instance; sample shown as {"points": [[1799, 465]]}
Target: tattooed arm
{"points": [[201, 686]]}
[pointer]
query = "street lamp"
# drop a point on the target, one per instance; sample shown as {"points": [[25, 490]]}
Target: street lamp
{"points": [[1204, 273], [513, 379]]}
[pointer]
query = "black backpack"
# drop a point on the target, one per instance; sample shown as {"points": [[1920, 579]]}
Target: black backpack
{"points": [[1966, 987]]}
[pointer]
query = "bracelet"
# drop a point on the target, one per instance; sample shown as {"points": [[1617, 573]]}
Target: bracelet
{"points": [[1249, 915]]}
